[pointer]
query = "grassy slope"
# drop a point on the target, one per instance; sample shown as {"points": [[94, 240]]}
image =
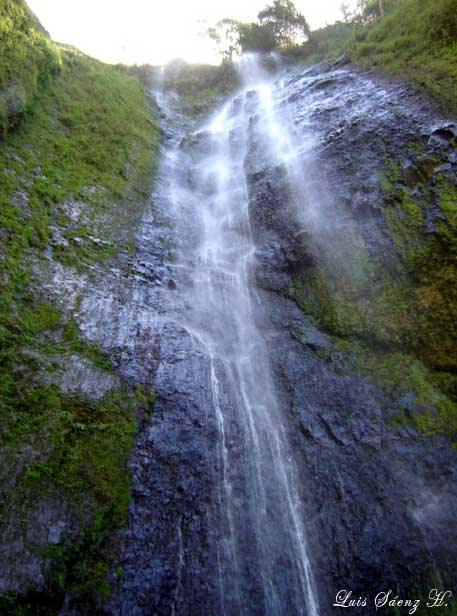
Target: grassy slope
{"points": [[28, 60], [201, 87], [84, 124], [416, 40]]}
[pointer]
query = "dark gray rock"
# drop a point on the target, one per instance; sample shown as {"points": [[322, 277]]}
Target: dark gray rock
{"points": [[379, 502]]}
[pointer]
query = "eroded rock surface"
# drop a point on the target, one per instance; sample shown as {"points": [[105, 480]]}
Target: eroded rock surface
{"points": [[379, 497]]}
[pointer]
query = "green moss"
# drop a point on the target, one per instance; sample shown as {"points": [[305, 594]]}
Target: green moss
{"points": [[405, 220], [90, 127], [39, 318], [416, 40], [86, 135], [201, 87], [405, 313], [71, 341], [448, 202], [432, 264], [29, 58], [90, 444], [83, 447], [144, 396], [83, 451], [398, 373], [349, 294], [413, 302]]}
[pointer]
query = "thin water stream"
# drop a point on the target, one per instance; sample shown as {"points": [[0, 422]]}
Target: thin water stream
{"points": [[263, 560]]}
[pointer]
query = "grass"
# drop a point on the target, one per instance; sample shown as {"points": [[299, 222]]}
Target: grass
{"points": [[84, 134], [416, 41], [201, 87], [27, 62]]}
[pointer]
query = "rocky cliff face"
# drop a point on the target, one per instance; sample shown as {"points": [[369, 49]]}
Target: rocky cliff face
{"points": [[76, 166], [355, 302], [365, 412], [338, 297]]}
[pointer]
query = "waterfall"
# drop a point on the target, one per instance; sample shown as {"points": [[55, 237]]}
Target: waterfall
{"points": [[262, 554]]}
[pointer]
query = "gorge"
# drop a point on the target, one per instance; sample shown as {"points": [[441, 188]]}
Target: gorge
{"points": [[235, 364]]}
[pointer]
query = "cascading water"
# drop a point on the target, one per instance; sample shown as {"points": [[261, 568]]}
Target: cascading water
{"points": [[262, 554], [265, 480]]}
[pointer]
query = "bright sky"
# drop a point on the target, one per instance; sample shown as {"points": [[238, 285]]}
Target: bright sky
{"points": [[156, 31]]}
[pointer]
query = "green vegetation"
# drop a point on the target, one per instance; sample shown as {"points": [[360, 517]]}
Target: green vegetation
{"points": [[403, 316], [416, 40], [78, 148], [201, 86], [325, 43], [278, 25], [77, 157], [225, 34], [285, 21], [412, 40], [81, 448], [405, 313], [423, 397], [27, 62]]}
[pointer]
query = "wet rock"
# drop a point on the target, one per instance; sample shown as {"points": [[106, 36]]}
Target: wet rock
{"points": [[444, 135], [74, 374], [76, 211], [411, 175], [20, 199], [47, 521], [371, 492], [342, 60], [366, 475]]}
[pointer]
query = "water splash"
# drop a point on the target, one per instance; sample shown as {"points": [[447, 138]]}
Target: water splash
{"points": [[264, 565]]}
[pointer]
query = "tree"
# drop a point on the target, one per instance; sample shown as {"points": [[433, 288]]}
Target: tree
{"points": [[257, 37], [226, 35], [344, 8], [287, 24], [371, 8]]}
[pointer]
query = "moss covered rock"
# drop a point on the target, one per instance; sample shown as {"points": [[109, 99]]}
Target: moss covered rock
{"points": [[75, 177]]}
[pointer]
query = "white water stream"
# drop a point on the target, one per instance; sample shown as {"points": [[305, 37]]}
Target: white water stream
{"points": [[263, 560]]}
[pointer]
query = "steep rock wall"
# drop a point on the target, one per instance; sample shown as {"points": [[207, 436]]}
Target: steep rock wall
{"points": [[369, 414], [372, 402], [357, 310], [75, 174]]}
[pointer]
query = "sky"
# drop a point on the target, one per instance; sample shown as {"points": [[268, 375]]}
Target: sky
{"points": [[156, 31]]}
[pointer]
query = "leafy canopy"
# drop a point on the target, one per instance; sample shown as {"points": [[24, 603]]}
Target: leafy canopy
{"points": [[288, 25], [226, 36], [257, 37], [278, 25]]}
